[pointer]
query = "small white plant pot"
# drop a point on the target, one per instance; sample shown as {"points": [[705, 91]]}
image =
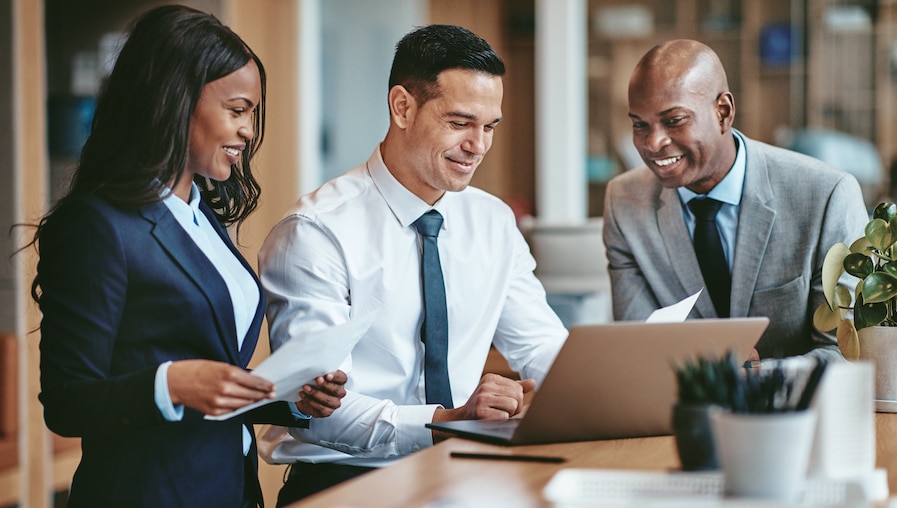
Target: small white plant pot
{"points": [[878, 345], [764, 455]]}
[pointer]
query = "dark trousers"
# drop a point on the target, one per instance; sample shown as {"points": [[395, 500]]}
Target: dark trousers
{"points": [[305, 479]]}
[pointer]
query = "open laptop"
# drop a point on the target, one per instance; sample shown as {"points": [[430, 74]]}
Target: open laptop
{"points": [[614, 380]]}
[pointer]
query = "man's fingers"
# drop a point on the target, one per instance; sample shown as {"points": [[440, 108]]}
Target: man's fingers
{"points": [[497, 404], [499, 397], [334, 389], [338, 377], [320, 398], [488, 413], [528, 385], [328, 388], [314, 408], [754, 356]]}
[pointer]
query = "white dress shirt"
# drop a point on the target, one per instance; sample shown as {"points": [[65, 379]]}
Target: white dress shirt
{"points": [[349, 249]]}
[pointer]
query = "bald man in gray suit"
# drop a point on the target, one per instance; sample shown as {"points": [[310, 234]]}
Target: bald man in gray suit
{"points": [[779, 214]]}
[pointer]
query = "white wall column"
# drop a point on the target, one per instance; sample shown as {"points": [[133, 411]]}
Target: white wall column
{"points": [[561, 110], [309, 114]]}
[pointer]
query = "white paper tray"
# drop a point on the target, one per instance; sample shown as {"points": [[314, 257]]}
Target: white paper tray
{"points": [[578, 488]]}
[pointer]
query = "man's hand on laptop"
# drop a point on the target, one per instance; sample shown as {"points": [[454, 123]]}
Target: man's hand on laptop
{"points": [[495, 398]]}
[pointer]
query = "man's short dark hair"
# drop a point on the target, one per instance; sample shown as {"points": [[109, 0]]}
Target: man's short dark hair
{"points": [[427, 51]]}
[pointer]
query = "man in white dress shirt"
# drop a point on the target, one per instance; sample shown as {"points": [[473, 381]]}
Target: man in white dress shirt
{"points": [[350, 248]]}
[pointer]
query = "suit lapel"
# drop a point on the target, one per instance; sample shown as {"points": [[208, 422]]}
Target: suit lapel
{"points": [[677, 241], [252, 334], [186, 255], [755, 221]]}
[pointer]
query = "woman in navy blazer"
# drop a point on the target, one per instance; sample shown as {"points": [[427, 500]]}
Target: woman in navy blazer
{"points": [[150, 314]]}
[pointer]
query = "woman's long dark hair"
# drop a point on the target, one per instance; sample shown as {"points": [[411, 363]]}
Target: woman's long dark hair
{"points": [[140, 132]]}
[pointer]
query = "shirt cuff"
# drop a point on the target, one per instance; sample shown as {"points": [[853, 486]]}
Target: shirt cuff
{"points": [[411, 431], [298, 414], [162, 397]]}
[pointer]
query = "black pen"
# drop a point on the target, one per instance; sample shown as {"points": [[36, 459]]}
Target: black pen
{"points": [[812, 384], [503, 456]]}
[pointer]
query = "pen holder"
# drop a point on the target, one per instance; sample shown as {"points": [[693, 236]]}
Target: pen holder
{"points": [[694, 437], [764, 455]]}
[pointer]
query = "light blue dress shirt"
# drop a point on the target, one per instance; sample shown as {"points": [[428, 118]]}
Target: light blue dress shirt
{"points": [[728, 191], [243, 290]]}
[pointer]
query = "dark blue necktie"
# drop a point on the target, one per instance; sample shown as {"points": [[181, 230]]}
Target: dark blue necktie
{"points": [[709, 250], [434, 332]]}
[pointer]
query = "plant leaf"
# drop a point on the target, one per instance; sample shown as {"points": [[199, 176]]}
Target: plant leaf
{"points": [[879, 287], [880, 234], [890, 267], [885, 210], [827, 318], [892, 225], [862, 246], [832, 268], [842, 299], [858, 265], [869, 314], [848, 342]]}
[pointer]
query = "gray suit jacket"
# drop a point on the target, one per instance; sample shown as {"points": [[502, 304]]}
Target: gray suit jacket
{"points": [[793, 208]]}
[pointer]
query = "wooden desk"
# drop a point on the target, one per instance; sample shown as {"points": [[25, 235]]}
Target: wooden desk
{"points": [[432, 478]]}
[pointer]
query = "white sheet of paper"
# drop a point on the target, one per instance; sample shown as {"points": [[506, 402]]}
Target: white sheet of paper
{"points": [[674, 313], [299, 362]]}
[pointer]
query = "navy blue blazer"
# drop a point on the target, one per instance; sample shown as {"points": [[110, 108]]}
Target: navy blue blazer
{"points": [[123, 292]]}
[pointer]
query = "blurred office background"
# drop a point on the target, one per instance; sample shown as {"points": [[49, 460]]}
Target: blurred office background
{"points": [[819, 76]]}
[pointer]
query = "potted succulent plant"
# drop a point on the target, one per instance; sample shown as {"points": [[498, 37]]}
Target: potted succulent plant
{"points": [[702, 383], [872, 332]]}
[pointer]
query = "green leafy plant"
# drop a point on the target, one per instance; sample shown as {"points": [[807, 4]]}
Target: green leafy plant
{"points": [[871, 259], [706, 381]]}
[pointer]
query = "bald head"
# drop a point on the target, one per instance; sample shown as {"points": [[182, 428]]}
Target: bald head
{"points": [[682, 113], [689, 63]]}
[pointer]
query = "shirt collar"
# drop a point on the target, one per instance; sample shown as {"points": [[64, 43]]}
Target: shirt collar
{"points": [[184, 212], [405, 205], [730, 188]]}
